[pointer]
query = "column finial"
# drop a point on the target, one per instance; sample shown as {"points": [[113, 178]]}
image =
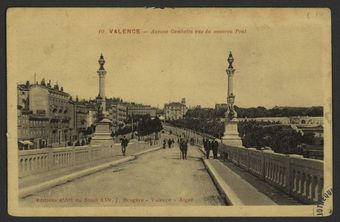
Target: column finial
{"points": [[101, 61], [230, 60]]}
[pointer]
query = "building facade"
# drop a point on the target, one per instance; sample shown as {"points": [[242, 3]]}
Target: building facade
{"points": [[140, 110], [23, 96], [118, 113], [52, 103], [32, 131], [48, 117], [82, 110], [174, 110]]}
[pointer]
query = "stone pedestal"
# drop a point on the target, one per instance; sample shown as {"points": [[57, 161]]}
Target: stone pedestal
{"points": [[231, 136], [103, 132]]}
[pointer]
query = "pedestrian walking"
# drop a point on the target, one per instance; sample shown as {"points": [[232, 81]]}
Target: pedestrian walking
{"points": [[169, 143], [164, 144], [185, 149], [172, 142], [180, 145], [205, 144], [207, 147], [124, 143], [215, 148]]}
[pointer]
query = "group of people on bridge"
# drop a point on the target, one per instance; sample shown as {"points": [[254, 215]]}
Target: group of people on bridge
{"points": [[170, 143], [208, 145], [182, 143]]}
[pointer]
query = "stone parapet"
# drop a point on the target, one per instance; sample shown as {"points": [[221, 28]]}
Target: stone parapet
{"points": [[42, 160], [300, 177]]}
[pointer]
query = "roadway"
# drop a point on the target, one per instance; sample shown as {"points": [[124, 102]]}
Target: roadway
{"points": [[159, 178]]}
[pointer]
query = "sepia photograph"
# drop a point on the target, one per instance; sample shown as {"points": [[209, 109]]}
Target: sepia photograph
{"points": [[169, 112]]}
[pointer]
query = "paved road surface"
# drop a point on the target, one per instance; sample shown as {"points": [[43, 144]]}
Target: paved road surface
{"points": [[158, 178]]}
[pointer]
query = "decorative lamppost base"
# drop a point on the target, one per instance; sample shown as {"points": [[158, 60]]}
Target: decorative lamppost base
{"points": [[102, 135], [231, 136]]}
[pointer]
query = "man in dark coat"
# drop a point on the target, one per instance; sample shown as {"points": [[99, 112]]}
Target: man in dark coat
{"points": [[215, 148], [164, 144], [185, 148], [124, 143], [204, 144], [169, 143], [208, 148]]}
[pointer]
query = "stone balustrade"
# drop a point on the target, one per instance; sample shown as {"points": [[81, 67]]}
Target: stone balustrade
{"points": [[300, 177], [42, 160], [293, 174]]}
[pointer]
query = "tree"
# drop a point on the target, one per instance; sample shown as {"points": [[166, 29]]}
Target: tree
{"points": [[308, 138]]}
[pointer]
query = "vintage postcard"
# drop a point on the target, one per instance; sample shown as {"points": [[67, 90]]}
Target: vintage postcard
{"points": [[169, 112]]}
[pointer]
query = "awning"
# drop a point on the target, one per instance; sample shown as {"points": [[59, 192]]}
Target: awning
{"points": [[29, 143], [26, 142]]}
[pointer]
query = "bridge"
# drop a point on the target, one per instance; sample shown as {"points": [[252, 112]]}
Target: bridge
{"points": [[150, 175]]}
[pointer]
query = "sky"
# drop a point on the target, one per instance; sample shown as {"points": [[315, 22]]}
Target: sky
{"points": [[282, 56]]}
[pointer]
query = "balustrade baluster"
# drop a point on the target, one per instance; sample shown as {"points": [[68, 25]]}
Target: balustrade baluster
{"points": [[320, 189], [21, 163], [299, 182], [303, 185], [284, 177], [280, 176], [276, 173], [30, 165], [271, 170], [38, 163], [315, 188], [308, 187], [294, 181]]}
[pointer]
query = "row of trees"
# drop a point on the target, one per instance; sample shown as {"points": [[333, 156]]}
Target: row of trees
{"points": [[144, 125], [280, 138], [212, 127], [279, 111], [210, 113], [147, 125]]}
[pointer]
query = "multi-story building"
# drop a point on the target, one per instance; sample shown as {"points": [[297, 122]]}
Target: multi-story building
{"points": [[81, 117], [47, 116], [118, 113], [140, 110], [53, 104], [175, 110], [32, 131], [91, 117], [23, 96]]}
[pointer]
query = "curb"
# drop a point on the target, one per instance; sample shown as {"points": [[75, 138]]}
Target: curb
{"points": [[226, 192], [147, 151], [24, 192]]}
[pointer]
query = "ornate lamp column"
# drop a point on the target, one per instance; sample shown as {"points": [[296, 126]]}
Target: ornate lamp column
{"points": [[231, 136], [101, 73], [102, 135]]}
